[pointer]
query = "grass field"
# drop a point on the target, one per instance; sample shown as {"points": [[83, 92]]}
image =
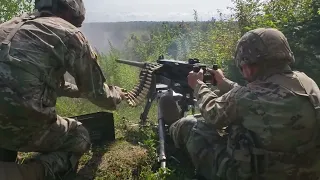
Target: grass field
{"points": [[134, 153]]}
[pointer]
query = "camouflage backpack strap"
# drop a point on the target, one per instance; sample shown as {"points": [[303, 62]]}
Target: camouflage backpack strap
{"points": [[242, 148], [5, 45], [313, 93], [5, 57], [239, 147]]}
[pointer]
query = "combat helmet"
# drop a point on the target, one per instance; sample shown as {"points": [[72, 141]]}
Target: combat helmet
{"points": [[263, 45], [75, 7]]}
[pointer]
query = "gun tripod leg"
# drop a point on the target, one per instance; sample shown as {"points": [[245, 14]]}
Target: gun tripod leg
{"points": [[144, 114], [150, 98]]}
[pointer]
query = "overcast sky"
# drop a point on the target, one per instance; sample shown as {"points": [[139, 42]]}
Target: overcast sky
{"points": [[152, 10]]}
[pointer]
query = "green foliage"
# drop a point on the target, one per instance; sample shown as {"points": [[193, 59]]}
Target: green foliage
{"points": [[11, 8], [253, 14], [297, 19]]}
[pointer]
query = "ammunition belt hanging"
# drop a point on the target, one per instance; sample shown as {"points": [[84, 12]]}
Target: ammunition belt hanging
{"points": [[141, 90]]}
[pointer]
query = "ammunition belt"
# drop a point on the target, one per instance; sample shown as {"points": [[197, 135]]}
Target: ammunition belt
{"points": [[141, 90]]}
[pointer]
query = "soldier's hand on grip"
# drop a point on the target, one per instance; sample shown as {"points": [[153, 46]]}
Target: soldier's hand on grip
{"points": [[194, 77], [217, 75]]}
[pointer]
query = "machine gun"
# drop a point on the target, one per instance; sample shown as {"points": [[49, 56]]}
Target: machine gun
{"points": [[162, 76], [172, 73]]}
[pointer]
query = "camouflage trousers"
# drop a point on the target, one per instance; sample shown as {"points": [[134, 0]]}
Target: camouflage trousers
{"points": [[205, 146], [207, 149], [60, 147], [213, 159]]}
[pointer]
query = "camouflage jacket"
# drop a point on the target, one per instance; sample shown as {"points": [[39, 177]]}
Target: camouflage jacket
{"points": [[40, 53], [280, 111]]}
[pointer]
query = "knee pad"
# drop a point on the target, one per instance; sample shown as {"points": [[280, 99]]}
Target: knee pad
{"points": [[84, 139]]}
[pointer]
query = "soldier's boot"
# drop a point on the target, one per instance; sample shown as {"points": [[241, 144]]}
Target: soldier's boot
{"points": [[13, 171], [198, 177], [169, 107], [8, 155], [58, 165], [69, 174]]}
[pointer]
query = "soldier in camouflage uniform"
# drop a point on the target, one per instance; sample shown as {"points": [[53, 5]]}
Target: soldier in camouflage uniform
{"points": [[36, 50], [266, 130]]}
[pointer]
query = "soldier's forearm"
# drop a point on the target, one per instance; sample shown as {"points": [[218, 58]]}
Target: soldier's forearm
{"points": [[226, 85], [69, 90], [213, 107], [107, 98]]}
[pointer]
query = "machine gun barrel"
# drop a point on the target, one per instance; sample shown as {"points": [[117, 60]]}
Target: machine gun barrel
{"points": [[131, 63]]}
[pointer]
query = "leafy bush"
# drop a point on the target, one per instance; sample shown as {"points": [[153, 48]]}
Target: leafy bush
{"points": [[11, 8]]}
